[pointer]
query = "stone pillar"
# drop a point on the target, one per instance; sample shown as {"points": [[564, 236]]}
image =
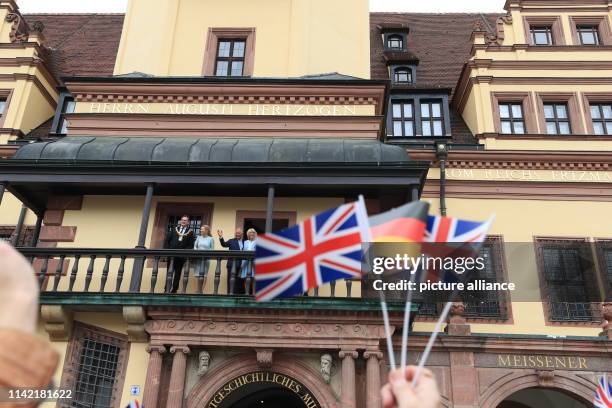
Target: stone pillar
{"points": [[347, 399], [177, 377], [373, 378], [456, 323], [151, 390], [464, 383]]}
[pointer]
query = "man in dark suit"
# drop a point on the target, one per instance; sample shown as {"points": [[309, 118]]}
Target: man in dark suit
{"points": [[234, 244], [181, 237]]}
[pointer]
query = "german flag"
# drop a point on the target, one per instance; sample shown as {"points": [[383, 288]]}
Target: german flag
{"points": [[403, 224]]}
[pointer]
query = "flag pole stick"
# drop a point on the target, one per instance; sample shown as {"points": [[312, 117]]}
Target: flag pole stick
{"points": [[385, 313], [431, 341], [407, 310], [383, 303]]}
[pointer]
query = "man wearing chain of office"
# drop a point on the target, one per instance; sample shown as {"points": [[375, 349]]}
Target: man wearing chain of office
{"points": [[180, 237]]}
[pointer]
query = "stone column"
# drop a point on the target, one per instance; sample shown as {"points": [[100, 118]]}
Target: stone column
{"points": [[151, 390], [177, 377], [373, 378], [347, 399]]}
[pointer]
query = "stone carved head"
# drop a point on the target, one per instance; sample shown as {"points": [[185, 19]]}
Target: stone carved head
{"points": [[326, 367], [203, 362]]}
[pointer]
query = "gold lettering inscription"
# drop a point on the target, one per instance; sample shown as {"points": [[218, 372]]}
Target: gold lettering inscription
{"points": [[540, 361], [261, 376]]}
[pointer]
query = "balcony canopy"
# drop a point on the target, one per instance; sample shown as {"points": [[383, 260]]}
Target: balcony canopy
{"points": [[191, 166], [148, 150]]}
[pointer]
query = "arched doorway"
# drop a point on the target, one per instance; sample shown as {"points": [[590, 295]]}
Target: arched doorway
{"points": [[263, 389], [542, 398]]}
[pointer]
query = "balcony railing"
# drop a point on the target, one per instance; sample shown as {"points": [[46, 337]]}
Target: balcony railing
{"points": [[140, 271]]}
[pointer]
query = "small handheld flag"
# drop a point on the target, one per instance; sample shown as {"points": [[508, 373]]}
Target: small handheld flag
{"points": [[603, 393], [324, 248], [134, 404]]}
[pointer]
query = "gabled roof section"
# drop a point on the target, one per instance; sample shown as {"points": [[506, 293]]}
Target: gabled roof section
{"points": [[81, 44]]}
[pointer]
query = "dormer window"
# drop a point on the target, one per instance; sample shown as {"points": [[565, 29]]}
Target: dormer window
{"points": [[403, 74], [395, 42]]}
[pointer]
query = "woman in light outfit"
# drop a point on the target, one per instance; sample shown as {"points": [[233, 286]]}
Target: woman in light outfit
{"points": [[204, 242], [248, 268]]}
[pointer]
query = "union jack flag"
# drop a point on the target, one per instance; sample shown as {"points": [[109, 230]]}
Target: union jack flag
{"points": [[603, 393], [323, 248], [134, 404], [446, 229], [452, 237]]}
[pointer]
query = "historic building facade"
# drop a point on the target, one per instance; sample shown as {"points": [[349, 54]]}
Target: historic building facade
{"points": [[245, 114]]}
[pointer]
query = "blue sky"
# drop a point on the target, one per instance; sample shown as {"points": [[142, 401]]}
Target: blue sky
{"points": [[118, 6]]}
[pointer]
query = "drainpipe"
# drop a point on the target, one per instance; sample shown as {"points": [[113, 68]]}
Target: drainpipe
{"points": [[441, 156]]}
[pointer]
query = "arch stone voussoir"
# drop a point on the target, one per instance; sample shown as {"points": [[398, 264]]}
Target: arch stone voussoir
{"points": [[242, 364]]}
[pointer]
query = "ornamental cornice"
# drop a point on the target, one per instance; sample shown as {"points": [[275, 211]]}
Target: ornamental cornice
{"points": [[521, 160]]}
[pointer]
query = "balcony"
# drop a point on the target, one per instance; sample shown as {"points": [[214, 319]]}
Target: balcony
{"points": [[120, 277]]}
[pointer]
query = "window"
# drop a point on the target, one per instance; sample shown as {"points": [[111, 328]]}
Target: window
{"points": [[195, 222], [402, 75], [230, 57], [570, 289], [2, 106], [487, 304], [94, 368], [542, 35], [168, 215], [588, 34], [403, 118], [68, 107], [395, 42], [557, 119], [601, 114], [431, 118], [511, 118]]}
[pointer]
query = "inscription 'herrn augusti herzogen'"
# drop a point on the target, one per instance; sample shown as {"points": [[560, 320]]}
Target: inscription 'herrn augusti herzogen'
{"points": [[222, 109]]}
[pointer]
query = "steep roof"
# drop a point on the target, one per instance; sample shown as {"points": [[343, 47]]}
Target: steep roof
{"points": [[441, 42], [81, 44]]}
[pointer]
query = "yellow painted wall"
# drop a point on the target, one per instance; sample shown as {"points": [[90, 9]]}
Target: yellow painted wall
{"points": [[293, 37], [519, 221], [28, 108]]}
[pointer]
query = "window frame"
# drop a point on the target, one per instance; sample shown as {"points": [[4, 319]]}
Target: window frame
{"points": [[511, 119], [575, 118], [5, 95], [390, 34], [398, 70], [602, 119], [215, 34], [594, 98], [165, 209], [70, 373], [403, 119], [554, 22], [431, 119], [416, 99], [588, 276], [600, 22], [231, 59], [542, 29], [556, 119], [60, 111], [592, 29]]}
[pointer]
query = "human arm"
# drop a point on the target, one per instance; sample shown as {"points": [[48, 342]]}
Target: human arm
{"points": [[399, 392], [26, 361]]}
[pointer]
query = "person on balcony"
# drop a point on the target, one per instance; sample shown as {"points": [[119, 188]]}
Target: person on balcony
{"points": [[204, 242], [180, 237], [233, 244], [247, 267]]}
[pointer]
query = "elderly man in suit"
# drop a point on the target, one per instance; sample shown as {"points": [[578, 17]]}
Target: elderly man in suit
{"points": [[234, 244]]}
